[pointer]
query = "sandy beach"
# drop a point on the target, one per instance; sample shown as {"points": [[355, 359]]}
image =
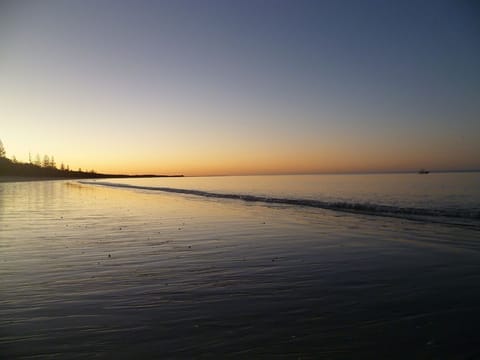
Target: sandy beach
{"points": [[23, 178], [93, 271]]}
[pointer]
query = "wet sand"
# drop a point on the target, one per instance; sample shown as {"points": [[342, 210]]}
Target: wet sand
{"points": [[23, 178], [114, 273]]}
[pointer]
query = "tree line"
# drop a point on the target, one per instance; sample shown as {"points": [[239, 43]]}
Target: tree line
{"points": [[42, 167], [47, 168], [46, 162]]}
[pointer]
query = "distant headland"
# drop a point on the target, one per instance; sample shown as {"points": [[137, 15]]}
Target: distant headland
{"points": [[13, 170]]}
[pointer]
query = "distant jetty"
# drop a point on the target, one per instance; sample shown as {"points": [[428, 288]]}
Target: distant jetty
{"points": [[423, 171]]}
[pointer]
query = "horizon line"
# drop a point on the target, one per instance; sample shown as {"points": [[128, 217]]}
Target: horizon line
{"points": [[372, 172]]}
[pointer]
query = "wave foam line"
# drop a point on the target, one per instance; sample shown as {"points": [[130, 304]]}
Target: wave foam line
{"points": [[364, 208]]}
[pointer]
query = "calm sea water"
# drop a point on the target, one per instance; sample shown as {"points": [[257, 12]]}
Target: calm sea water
{"points": [[282, 266], [438, 197]]}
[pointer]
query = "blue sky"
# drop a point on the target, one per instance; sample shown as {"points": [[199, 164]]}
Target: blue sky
{"points": [[212, 87]]}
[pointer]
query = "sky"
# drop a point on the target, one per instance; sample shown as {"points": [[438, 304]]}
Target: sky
{"points": [[242, 87]]}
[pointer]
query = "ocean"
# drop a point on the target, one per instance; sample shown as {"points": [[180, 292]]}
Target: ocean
{"points": [[298, 266]]}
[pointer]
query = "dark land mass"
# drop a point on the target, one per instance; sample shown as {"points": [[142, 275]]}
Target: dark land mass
{"points": [[16, 171]]}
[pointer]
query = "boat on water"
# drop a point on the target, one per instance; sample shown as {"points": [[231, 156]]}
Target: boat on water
{"points": [[423, 171]]}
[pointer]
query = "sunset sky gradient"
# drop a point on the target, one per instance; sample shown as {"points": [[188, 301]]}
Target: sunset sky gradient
{"points": [[242, 87]]}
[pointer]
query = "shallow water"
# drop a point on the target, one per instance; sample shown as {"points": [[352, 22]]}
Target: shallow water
{"points": [[439, 197], [435, 189], [116, 273]]}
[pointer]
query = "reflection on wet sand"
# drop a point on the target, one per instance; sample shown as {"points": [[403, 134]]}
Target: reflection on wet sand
{"points": [[90, 271]]}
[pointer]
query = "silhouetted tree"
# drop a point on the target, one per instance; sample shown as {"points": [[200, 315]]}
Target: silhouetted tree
{"points": [[46, 161], [2, 150], [52, 162], [62, 167], [14, 159]]}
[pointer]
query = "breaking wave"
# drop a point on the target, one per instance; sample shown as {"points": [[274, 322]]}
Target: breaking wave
{"points": [[469, 217]]}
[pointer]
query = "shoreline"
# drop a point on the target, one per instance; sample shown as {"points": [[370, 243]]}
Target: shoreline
{"points": [[99, 267], [8, 178]]}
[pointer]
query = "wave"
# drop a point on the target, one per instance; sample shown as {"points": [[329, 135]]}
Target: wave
{"points": [[437, 215]]}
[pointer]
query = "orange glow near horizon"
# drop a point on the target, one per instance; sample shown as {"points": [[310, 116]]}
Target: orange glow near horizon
{"points": [[169, 149], [156, 146], [227, 160], [152, 90]]}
